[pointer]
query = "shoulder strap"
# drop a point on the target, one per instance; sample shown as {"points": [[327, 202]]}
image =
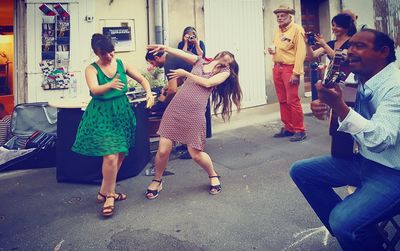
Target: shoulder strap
{"points": [[120, 66]]}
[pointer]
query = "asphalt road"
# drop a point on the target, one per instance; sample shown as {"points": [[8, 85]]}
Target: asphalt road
{"points": [[259, 208]]}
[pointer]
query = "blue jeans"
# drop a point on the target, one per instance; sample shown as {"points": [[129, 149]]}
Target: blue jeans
{"points": [[351, 220]]}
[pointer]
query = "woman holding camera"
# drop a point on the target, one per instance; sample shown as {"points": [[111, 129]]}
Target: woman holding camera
{"points": [[191, 44], [343, 28]]}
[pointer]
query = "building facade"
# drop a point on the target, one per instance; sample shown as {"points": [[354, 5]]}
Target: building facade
{"points": [[244, 27]]}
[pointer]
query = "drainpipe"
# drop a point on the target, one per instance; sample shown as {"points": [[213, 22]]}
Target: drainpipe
{"points": [[165, 21], [158, 21], [148, 21]]}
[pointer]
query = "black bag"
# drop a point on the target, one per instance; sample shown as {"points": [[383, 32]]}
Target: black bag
{"points": [[33, 145]]}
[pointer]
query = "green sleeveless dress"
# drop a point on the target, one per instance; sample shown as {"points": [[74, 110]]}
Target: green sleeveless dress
{"points": [[108, 124]]}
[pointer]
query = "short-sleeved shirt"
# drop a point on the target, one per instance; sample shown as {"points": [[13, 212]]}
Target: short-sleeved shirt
{"points": [[192, 47], [172, 63]]}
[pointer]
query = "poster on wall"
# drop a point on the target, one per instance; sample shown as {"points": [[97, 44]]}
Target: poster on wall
{"points": [[121, 32], [63, 41], [120, 36], [48, 38]]}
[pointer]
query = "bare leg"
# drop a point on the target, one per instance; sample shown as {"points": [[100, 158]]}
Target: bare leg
{"points": [[121, 157], [109, 170], [204, 160], [103, 191], [161, 161]]}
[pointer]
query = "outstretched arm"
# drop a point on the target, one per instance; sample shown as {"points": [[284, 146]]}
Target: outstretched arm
{"points": [[190, 58], [215, 80]]}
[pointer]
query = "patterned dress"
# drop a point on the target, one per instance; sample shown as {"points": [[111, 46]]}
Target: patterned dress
{"points": [[183, 120], [108, 124]]}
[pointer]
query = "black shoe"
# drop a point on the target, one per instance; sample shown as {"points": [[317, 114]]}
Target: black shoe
{"points": [[283, 133], [298, 136], [185, 155]]}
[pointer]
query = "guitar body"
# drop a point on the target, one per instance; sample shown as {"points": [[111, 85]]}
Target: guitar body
{"points": [[342, 145]]}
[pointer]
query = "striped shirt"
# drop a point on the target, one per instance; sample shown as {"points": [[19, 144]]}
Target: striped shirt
{"points": [[375, 122]]}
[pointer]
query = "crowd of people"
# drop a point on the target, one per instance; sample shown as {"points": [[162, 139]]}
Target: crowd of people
{"points": [[107, 127]]}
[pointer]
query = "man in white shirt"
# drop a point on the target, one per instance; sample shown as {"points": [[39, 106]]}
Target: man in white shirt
{"points": [[375, 126]]}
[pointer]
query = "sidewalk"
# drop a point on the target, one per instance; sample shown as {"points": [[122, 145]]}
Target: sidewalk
{"points": [[252, 116]]}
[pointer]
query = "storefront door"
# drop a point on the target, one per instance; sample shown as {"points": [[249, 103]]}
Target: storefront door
{"points": [[6, 56]]}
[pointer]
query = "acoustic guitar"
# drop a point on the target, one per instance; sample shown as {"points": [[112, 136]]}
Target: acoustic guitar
{"points": [[342, 145]]}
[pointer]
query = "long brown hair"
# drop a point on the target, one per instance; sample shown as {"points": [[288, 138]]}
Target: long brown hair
{"points": [[229, 91]]}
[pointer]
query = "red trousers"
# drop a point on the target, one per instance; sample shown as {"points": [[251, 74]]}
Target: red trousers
{"points": [[288, 97]]}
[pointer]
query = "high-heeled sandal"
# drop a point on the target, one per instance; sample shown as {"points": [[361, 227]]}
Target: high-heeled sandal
{"points": [[119, 197], [107, 211], [217, 188], [154, 193]]}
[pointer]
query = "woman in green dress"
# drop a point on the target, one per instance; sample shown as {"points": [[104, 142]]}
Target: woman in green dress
{"points": [[108, 125]]}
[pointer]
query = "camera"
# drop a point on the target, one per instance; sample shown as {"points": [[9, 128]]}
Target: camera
{"points": [[310, 38], [192, 37]]}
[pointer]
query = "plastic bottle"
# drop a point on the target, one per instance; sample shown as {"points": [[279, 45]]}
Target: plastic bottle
{"points": [[73, 87]]}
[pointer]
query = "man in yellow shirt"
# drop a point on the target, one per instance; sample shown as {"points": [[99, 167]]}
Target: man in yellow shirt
{"points": [[289, 52]]}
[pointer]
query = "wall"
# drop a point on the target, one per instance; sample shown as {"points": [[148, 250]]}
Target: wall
{"points": [[364, 9], [136, 10], [380, 15], [183, 13]]}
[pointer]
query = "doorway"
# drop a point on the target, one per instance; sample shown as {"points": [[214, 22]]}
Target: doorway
{"points": [[241, 33], [6, 56]]}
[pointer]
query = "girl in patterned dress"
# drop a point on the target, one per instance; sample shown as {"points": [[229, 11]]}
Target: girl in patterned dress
{"points": [[183, 120], [108, 125]]}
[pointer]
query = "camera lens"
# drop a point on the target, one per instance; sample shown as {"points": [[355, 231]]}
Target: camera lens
{"points": [[311, 38]]}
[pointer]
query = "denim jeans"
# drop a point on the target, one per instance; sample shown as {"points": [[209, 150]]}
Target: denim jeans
{"points": [[351, 220]]}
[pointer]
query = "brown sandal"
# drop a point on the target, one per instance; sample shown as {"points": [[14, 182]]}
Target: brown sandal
{"points": [[119, 197], [108, 210]]}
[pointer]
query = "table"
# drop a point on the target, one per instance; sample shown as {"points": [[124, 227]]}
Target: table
{"points": [[73, 167]]}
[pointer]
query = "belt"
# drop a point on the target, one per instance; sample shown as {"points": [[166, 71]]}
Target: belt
{"points": [[282, 64]]}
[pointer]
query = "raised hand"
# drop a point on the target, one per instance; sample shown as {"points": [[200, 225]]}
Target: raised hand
{"points": [[186, 38], [150, 100], [177, 73], [329, 96], [116, 83], [320, 40], [154, 48]]}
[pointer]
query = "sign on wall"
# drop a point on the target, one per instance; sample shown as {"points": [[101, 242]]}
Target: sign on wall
{"points": [[121, 32]]}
